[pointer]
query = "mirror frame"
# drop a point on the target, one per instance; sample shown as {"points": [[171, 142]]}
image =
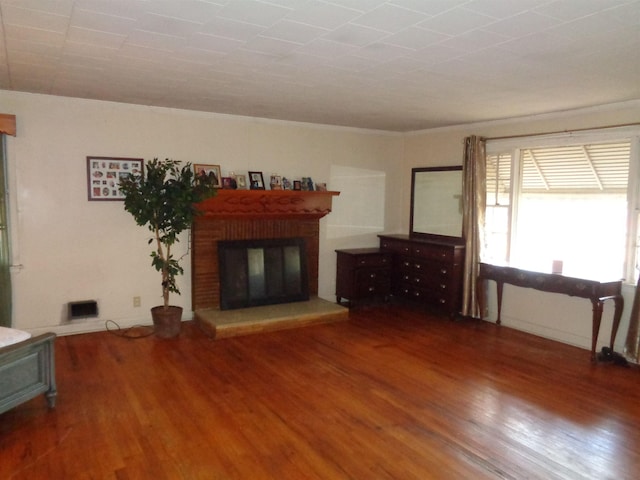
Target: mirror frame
{"points": [[436, 236]]}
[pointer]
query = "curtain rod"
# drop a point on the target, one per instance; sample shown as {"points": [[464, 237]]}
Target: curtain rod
{"points": [[563, 131]]}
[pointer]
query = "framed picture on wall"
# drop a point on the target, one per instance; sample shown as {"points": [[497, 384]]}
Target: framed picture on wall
{"points": [[256, 181], [104, 174], [202, 169]]}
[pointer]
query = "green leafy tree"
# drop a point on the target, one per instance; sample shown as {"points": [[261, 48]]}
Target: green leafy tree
{"points": [[164, 200]]}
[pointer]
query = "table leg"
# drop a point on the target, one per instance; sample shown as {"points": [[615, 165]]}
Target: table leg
{"points": [[619, 305], [499, 287], [597, 318], [481, 296]]}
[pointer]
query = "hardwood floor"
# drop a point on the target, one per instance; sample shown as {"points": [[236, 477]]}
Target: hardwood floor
{"points": [[392, 393]]}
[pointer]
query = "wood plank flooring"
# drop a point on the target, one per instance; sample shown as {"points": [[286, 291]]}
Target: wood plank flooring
{"points": [[392, 393]]}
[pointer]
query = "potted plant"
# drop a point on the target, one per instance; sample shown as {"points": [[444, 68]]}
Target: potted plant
{"points": [[164, 199]]}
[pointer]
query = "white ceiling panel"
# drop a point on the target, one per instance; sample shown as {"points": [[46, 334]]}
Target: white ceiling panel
{"points": [[396, 65]]}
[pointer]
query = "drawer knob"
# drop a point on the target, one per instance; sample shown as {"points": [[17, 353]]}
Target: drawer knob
{"points": [[373, 275], [443, 286], [443, 270], [418, 266]]}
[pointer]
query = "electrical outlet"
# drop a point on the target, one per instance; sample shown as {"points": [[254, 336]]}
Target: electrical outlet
{"points": [[136, 301]]}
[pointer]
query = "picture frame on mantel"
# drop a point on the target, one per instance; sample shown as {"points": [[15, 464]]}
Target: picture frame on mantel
{"points": [[241, 182], [256, 181], [202, 169], [104, 174]]}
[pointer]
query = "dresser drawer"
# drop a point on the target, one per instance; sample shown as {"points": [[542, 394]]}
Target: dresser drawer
{"points": [[373, 275], [399, 247], [432, 252], [373, 260], [433, 269], [373, 282]]}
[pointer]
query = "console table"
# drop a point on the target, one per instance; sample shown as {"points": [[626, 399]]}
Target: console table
{"points": [[596, 291]]}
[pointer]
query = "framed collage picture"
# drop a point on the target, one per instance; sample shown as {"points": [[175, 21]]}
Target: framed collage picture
{"points": [[104, 174]]}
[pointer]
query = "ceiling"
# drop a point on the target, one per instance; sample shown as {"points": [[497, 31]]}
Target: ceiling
{"points": [[396, 65]]}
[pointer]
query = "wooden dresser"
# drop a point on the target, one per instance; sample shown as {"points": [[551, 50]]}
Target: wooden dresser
{"points": [[427, 270], [362, 273]]}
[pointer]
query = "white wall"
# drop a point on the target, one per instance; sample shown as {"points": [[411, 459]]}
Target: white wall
{"points": [[550, 315], [66, 248]]}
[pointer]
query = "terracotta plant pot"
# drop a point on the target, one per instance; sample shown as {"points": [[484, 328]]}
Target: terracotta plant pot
{"points": [[167, 321]]}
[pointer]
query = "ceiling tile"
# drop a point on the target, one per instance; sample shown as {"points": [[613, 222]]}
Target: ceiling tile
{"points": [[224, 27], [474, 40], [356, 35], [382, 52], [12, 15], [253, 11], [95, 37], [271, 46], [34, 35], [500, 9], [457, 21], [430, 7], [164, 25], [390, 18], [214, 43], [294, 31], [522, 24], [323, 15], [142, 38], [326, 48], [416, 38], [91, 20], [571, 10]]}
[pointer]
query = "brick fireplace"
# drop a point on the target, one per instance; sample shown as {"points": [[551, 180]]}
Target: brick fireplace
{"points": [[249, 215]]}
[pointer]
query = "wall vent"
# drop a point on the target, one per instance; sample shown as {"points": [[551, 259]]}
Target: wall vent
{"points": [[83, 309]]}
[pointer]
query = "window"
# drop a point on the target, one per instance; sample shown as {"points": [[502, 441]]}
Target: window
{"points": [[570, 197]]}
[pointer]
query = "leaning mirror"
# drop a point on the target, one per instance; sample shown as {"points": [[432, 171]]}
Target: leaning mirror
{"points": [[436, 202]]}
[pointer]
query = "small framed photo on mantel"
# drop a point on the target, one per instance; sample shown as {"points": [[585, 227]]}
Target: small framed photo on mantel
{"points": [[241, 182], [104, 174], [256, 181]]}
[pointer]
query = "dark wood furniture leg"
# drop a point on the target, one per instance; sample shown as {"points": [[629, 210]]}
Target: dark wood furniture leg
{"points": [[499, 287], [598, 304], [597, 318], [619, 305]]}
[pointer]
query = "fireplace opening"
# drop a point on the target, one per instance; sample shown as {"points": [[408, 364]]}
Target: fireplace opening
{"points": [[262, 272]]}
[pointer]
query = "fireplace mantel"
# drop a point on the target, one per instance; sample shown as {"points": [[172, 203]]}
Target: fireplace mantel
{"points": [[281, 204]]}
